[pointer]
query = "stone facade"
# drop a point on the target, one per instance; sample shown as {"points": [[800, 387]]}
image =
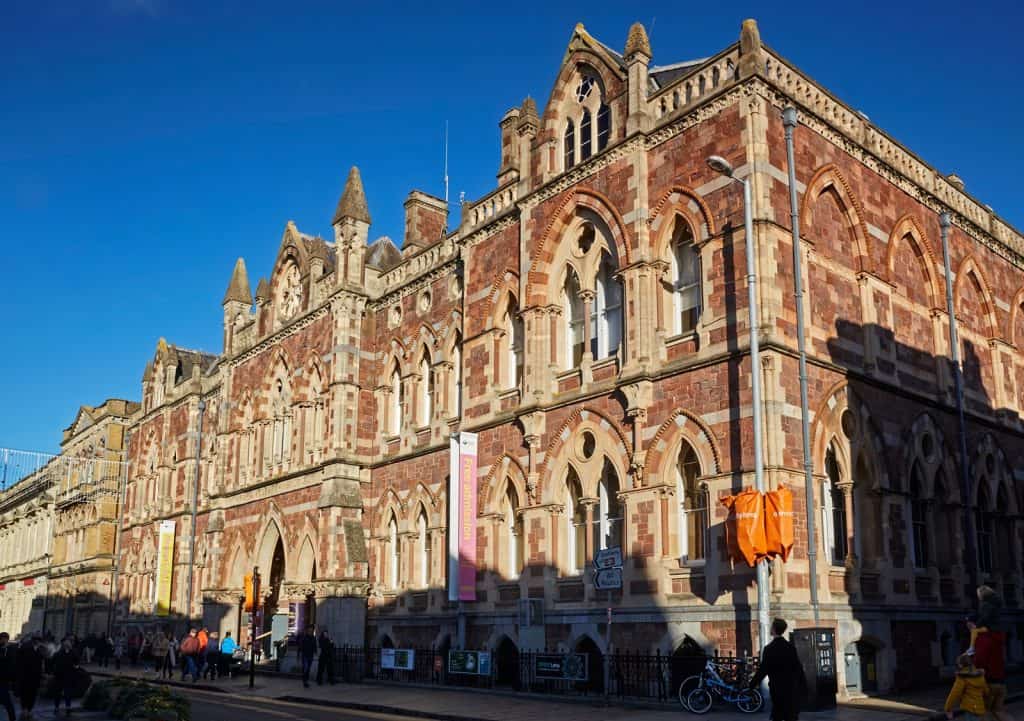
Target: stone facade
{"points": [[588, 319], [26, 541]]}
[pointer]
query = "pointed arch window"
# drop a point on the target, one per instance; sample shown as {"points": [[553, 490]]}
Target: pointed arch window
{"points": [[423, 549], [569, 144], [576, 524], [984, 527], [394, 556], [610, 520], [572, 311], [604, 126], [456, 390], [693, 506], [585, 139], [685, 270], [834, 511], [1003, 528], [919, 517], [426, 390], [513, 326], [606, 314], [513, 526], [397, 400], [314, 425]]}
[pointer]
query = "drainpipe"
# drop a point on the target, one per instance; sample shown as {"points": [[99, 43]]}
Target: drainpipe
{"points": [[789, 122], [195, 505], [971, 561]]}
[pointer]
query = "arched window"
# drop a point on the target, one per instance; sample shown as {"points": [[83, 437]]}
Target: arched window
{"points": [[609, 526], [570, 144], [604, 126], [393, 553], [983, 524], [515, 541], [572, 311], [919, 517], [834, 511], [606, 315], [685, 269], [456, 390], [397, 398], [1003, 527], [314, 429], [576, 524], [423, 550], [426, 390], [585, 139], [693, 506], [513, 326], [281, 430]]}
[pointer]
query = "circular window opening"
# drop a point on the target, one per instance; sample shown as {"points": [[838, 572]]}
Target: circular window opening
{"points": [[425, 300], [588, 444], [848, 423], [928, 446], [396, 315], [454, 287]]}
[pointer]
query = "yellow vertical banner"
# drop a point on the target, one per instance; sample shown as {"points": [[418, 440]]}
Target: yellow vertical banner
{"points": [[164, 568]]}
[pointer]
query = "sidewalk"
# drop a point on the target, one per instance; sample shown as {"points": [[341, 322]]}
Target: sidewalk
{"points": [[449, 704]]}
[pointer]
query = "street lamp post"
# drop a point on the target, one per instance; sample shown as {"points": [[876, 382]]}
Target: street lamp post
{"points": [[722, 166]]}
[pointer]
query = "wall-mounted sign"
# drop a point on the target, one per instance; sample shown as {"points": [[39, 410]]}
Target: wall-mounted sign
{"points": [[562, 666], [400, 659], [477, 663], [608, 579], [609, 557]]}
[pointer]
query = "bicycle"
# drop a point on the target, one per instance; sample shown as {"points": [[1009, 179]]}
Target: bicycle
{"points": [[711, 685]]}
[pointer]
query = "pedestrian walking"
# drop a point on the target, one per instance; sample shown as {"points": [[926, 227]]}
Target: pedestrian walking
{"points": [[65, 664], [171, 660], [160, 646], [190, 655], [969, 691], [227, 652], [8, 671], [990, 657], [326, 661], [119, 648], [307, 652], [212, 660], [30, 675], [786, 681]]}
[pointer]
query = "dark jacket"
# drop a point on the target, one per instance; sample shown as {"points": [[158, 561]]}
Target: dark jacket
{"points": [[786, 681], [990, 609], [64, 665], [8, 664], [307, 646], [326, 646], [30, 665], [990, 655]]}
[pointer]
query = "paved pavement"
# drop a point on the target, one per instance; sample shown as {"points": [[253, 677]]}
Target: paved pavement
{"points": [[280, 697]]}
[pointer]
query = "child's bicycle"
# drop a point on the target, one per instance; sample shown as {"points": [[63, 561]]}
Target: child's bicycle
{"points": [[698, 693]]}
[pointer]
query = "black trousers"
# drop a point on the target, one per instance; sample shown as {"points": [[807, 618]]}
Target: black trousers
{"points": [[325, 664], [6, 701]]}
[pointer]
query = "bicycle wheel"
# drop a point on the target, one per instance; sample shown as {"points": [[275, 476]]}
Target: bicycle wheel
{"points": [[699, 700], [685, 687], [749, 700]]}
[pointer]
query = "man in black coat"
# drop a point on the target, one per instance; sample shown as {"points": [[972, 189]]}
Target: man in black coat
{"points": [[8, 673], [326, 661], [786, 681], [307, 652]]}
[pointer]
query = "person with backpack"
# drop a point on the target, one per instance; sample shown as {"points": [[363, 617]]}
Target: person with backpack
{"points": [[190, 655], [211, 660]]}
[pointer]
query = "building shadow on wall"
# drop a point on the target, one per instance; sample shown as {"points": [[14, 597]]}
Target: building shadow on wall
{"points": [[892, 437]]}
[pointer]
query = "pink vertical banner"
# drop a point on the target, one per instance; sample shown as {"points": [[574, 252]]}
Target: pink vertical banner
{"points": [[467, 516]]}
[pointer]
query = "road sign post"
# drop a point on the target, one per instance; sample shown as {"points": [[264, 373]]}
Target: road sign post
{"points": [[608, 577]]}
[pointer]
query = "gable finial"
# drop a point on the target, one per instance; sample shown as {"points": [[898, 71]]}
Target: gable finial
{"points": [[352, 203], [637, 42]]}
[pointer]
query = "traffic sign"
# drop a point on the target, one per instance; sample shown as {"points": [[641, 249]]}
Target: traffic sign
{"points": [[609, 558], [608, 579]]}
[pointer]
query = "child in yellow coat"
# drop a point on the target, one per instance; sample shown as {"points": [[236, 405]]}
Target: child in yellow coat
{"points": [[969, 690]]}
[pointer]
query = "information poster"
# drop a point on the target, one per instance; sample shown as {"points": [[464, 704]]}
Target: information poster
{"points": [[400, 659], [164, 568], [477, 663], [462, 519]]}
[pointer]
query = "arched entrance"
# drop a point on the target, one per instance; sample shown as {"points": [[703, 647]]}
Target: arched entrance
{"points": [[275, 623], [595, 665], [506, 664]]}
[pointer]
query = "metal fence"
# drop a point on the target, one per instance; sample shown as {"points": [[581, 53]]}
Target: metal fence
{"points": [[631, 674]]}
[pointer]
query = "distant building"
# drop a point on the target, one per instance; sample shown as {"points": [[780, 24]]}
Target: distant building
{"points": [[26, 539], [588, 319]]}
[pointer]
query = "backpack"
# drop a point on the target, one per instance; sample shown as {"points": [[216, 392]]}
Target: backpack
{"points": [[190, 646]]}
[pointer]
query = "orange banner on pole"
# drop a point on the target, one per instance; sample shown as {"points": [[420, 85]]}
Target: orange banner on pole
{"points": [[779, 522], [744, 529], [248, 593]]}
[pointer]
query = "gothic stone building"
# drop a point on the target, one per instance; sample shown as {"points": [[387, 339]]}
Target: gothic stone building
{"points": [[588, 319]]}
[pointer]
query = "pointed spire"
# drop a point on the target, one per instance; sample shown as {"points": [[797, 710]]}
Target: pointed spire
{"points": [[238, 288], [752, 59], [262, 290], [353, 200], [637, 42]]}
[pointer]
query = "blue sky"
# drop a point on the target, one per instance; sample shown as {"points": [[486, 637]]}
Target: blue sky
{"points": [[146, 144]]}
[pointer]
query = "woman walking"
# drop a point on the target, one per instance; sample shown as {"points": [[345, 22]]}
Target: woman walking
{"points": [[30, 675]]}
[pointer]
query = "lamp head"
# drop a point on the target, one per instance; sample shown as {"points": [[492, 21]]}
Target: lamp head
{"points": [[720, 165]]}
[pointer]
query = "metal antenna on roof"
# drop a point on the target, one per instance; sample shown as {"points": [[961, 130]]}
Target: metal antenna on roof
{"points": [[446, 162], [650, 31]]}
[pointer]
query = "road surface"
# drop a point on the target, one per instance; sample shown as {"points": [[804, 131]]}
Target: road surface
{"points": [[212, 706]]}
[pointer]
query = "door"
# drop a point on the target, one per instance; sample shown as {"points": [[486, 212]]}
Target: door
{"points": [[851, 664]]}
